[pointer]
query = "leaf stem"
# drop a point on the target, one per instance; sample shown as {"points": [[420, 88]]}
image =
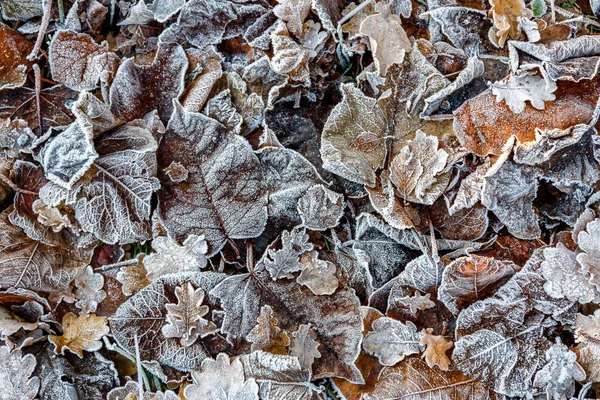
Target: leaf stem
{"points": [[42, 31]]}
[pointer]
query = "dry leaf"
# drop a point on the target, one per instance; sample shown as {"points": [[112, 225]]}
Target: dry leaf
{"points": [[266, 335], [80, 333], [435, 352], [14, 49]]}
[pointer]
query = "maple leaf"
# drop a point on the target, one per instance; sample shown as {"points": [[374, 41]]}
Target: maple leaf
{"points": [[15, 374], [435, 352], [266, 335], [224, 197], [80, 333], [221, 379], [184, 319], [391, 340]]}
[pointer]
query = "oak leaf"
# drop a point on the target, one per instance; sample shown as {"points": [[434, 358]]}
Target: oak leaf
{"points": [[172, 258], [15, 375], [80, 333], [266, 335], [435, 352]]}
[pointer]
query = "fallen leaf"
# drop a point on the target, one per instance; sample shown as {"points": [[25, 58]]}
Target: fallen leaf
{"points": [[435, 352], [80, 333], [14, 49], [266, 335], [391, 340]]}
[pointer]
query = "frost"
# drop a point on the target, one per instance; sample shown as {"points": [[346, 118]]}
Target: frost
{"points": [[88, 290], [14, 49], [517, 89], [266, 335], [16, 382], [506, 15], [320, 208], [172, 258], [415, 303], [281, 263], [318, 275], [559, 374], [391, 340], [304, 346], [293, 12]]}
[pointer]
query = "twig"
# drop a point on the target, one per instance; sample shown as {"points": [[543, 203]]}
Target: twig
{"points": [[42, 31], [120, 264], [15, 188], [38, 89], [141, 375]]}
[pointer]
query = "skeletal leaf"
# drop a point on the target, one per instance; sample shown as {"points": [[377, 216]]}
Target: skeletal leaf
{"points": [[508, 192], [282, 262], [88, 290], [390, 340], [16, 381], [388, 39], [559, 374], [517, 89], [472, 278], [266, 335], [352, 143], [335, 318], [144, 314], [14, 49], [140, 88], [34, 265], [417, 170], [221, 379], [320, 208], [224, 197], [79, 63], [80, 333], [288, 176], [318, 275], [171, 258], [184, 319], [435, 352], [304, 346], [413, 379]]}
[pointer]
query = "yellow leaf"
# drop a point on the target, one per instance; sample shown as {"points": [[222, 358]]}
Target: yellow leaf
{"points": [[80, 333]]}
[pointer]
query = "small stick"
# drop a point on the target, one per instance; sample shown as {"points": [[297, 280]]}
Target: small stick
{"points": [[42, 31], [38, 89], [120, 264], [15, 188]]}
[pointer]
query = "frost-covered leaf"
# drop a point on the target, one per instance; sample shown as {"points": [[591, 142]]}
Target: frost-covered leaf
{"points": [[14, 49], [133, 277], [557, 378], [288, 176], [417, 171], [16, 381], [388, 39], [293, 12], [392, 340], [224, 197], [415, 303], [469, 192], [590, 257], [165, 9], [435, 352], [466, 224], [335, 319], [79, 63], [88, 290], [266, 335], [413, 379], [34, 265], [506, 14], [172, 258], [352, 143], [80, 333], [320, 208], [20, 10], [221, 379], [199, 90], [587, 336], [140, 88], [468, 279], [508, 191], [185, 319], [304, 346], [517, 89], [318, 275], [131, 388], [394, 210], [282, 262], [144, 314]]}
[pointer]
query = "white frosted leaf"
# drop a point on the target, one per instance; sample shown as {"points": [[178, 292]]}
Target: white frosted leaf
{"points": [[165, 9], [132, 388], [318, 275], [16, 381], [555, 51], [415, 303], [78, 62], [173, 258], [559, 374], [224, 196], [515, 90], [88, 290], [320, 208], [21, 10], [282, 262], [469, 192], [303, 345], [390, 340]]}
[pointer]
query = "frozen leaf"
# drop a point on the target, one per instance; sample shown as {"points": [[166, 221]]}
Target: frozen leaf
{"points": [[68, 155], [318, 275], [88, 290], [590, 257], [335, 319], [80, 333], [266, 335], [468, 279], [140, 88], [587, 335], [559, 374], [505, 14], [466, 224], [417, 171], [435, 353], [34, 265], [501, 338], [131, 388], [388, 39], [144, 314], [16, 382], [508, 191], [413, 379], [288, 176], [184, 319], [177, 172], [565, 277], [352, 143], [221, 379], [395, 211], [171, 258], [293, 12], [14, 49], [517, 89], [469, 192], [320, 208], [391, 340], [415, 303], [555, 51], [304, 346], [224, 197], [79, 63], [133, 277], [281, 263], [165, 9], [199, 90], [20, 10]]}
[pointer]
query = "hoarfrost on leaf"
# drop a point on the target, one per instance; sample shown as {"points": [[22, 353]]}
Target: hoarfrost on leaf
{"points": [[318, 275], [320, 208], [559, 374], [390, 340], [266, 335], [80, 333], [16, 382], [435, 352], [517, 89], [281, 263], [170, 257], [305, 346]]}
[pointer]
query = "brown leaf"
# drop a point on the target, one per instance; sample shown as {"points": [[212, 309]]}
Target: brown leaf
{"points": [[466, 224], [435, 353], [14, 49], [266, 335], [80, 333], [506, 14]]}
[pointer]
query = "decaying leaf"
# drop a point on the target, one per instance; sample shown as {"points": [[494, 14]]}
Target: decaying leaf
{"points": [[391, 340], [435, 352], [14, 49], [80, 333]]}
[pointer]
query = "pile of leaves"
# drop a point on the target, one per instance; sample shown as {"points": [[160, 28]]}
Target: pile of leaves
{"points": [[299, 199]]}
